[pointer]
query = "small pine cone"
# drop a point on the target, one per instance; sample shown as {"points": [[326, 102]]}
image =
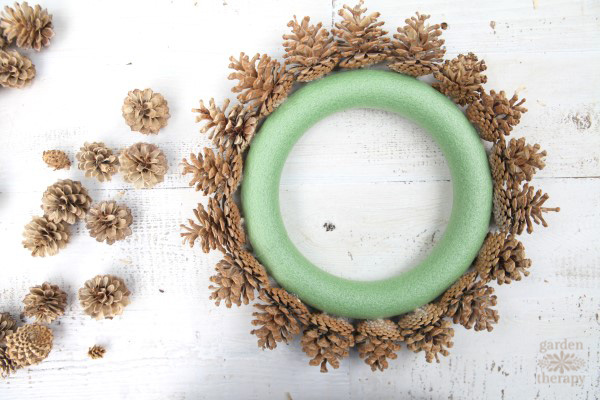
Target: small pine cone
{"points": [[516, 162], [56, 159], [461, 78], [29, 345], [310, 51], [279, 319], [238, 276], [98, 161], [7, 326], [418, 47], [66, 201], [433, 339], [502, 257], [109, 221], [95, 352], [45, 303], [145, 111], [31, 27], [422, 316], [218, 174], [7, 365], [494, 115], [104, 296], [327, 340], [144, 165], [16, 70], [378, 341], [45, 238], [263, 85]]}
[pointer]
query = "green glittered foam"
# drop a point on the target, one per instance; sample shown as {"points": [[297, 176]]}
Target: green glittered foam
{"points": [[471, 203]]}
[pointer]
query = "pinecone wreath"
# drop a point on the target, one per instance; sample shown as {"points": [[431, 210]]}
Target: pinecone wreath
{"points": [[45, 303]]}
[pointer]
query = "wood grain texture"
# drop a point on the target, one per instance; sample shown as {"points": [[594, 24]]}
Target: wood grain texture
{"points": [[381, 181]]}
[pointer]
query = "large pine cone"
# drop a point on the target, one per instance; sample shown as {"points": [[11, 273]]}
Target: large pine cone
{"points": [[45, 303], [495, 115], [145, 111], [327, 340], [515, 162], [66, 201], [31, 27], [218, 174], [97, 161], [29, 345], [461, 78], [7, 326], [108, 221], [378, 341], [143, 164], [16, 70], [44, 237], [104, 296], [502, 257]]}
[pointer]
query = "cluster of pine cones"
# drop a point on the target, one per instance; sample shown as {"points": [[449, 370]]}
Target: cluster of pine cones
{"points": [[357, 41], [104, 296], [28, 28]]}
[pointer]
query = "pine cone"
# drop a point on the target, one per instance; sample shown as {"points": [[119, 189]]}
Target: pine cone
{"points": [[95, 352], [361, 41], [494, 115], [279, 319], [44, 237], [378, 341], [145, 111], [31, 27], [461, 78], [108, 221], [98, 161], [418, 47], [3, 43], [515, 209], [238, 276], [104, 296], [56, 159], [310, 51], [263, 86], [7, 366], [7, 326], [143, 164], [66, 201], [16, 70], [502, 257], [327, 340], [29, 345], [227, 129], [45, 303], [219, 175], [421, 317], [434, 339], [516, 163]]}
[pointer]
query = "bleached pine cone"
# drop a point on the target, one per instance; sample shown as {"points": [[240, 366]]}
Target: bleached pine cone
{"points": [[30, 27], [66, 201], [104, 296], [143, 164], [45, 238], [109, 221]]}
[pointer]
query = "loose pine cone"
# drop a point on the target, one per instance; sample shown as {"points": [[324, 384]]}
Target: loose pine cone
{"points": [[327, 340], [494, 115], [238, 276], [502, 257], [66, 201], [310, 51], [45, 238], [109, 221], [31, 27], [263, 86], [219, 175], [461, 78], [104, 296], [144, 165], [361, 41], [56, 159], [29, 345], [16, 70], [7, 366], [7, 326], [145, 111], [434, 339], [279, 319], [422, 316], [45, 303], [418, 47], [98, 161], [95, 352], [378, 341]]}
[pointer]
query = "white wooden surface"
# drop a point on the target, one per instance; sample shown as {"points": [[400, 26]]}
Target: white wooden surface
{"points": [[380, 180]]}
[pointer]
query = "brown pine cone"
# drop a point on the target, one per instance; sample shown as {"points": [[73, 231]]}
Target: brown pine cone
{"points": [[238, 276], [378, 341], [461, 78], [104, 296], [66, 201], [56, 159], [31, 27], [29, 345], [279, 319], [433, 339], [45, 303], [327, 340], [145, 111], [422, 316], [7, 326], [45, 238], [218, 174], [502, 257], [418, 47], [95, 352], [7, 366], [310, 51], [16, 70], [263, 85], [144, 165], [98, 161], [516, 162], [109, 221], [494, 115]]}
